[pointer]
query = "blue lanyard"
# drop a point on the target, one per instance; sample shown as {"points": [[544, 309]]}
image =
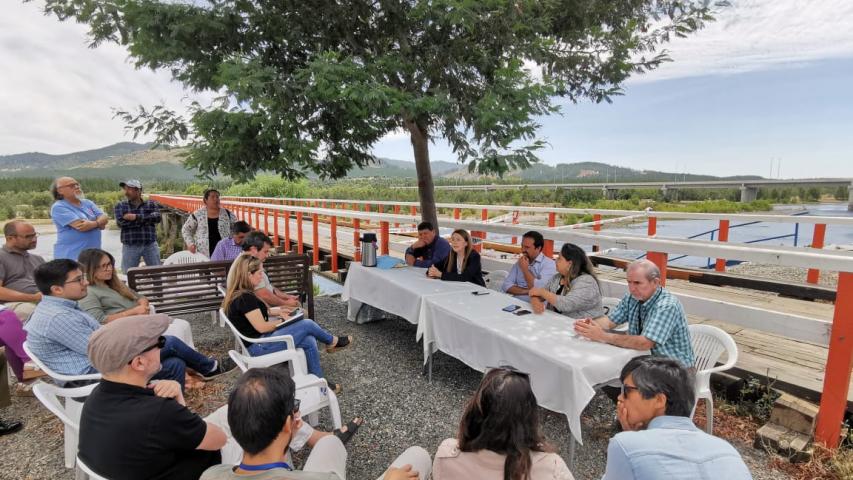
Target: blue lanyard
{"points": [[265, 466]]}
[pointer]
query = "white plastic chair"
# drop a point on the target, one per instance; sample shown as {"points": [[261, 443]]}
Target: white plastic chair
{"points": [[58, 376], [293, 356], [313, 392], [494, 280], [50, 396], [709, 343], [88, 471], [185, 256]]}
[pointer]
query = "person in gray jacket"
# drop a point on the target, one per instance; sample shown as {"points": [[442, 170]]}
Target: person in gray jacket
{"points": [[574, 290]]}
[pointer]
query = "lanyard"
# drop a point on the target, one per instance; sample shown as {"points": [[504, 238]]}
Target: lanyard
{"points": [[265, 466]]}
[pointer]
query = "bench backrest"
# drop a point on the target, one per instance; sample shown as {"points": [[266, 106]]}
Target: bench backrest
{"points": [[192, 288]]}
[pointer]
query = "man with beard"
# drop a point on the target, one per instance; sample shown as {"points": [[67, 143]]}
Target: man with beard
{"points": [[78, 221]]}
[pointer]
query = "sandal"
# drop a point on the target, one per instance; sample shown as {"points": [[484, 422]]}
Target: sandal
{"points": [[342, 342], [352, 427]]}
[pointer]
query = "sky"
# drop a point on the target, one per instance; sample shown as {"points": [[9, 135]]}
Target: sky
{"points": [[764, 90]]}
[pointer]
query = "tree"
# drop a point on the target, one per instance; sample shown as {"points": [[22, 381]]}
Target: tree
{"points": [[312, 85]]}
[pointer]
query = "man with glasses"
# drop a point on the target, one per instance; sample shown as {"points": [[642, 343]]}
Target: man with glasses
{"points": [[656, 319], [18, 289], [58, 331], [654, 409], [231, 247], [78, 221], [138, 219], [133, 428]]}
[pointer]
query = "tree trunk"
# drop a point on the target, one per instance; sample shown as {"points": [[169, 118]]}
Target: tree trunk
{"points": [[426, 189]]}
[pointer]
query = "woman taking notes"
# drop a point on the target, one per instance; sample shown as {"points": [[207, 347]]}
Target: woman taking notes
{"points": [[463, 263], [251, 316], [574, 290]]}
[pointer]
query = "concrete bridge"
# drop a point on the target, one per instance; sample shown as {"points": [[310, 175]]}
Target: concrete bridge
{"points": [[748, 188]]}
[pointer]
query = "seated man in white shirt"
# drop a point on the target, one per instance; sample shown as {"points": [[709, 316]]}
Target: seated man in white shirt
{"points": [[533, 268]]}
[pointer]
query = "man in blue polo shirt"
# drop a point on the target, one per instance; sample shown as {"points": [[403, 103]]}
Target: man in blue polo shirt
{"points": [[656, 319], [78, 221]]}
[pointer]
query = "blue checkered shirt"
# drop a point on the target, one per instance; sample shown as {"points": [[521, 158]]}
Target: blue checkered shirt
{"points": [[226, 249], [142, 230], [58, 334], [661, 319]]}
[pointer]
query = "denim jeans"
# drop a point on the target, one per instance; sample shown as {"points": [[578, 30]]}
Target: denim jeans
{"points": [[305, 335], [176, 356], [130, 255]]}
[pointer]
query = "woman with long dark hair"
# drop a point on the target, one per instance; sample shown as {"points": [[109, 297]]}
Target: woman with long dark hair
{"points": [[499, 435], [108, 298], [462, 264], [574, 290]]}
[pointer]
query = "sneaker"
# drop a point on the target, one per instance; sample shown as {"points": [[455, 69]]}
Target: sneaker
{"points": [[10, 427], [223, 366]]}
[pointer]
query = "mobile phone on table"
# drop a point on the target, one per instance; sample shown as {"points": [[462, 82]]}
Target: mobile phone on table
{"points": [[478, 293], [521, 312], [511, 308]]}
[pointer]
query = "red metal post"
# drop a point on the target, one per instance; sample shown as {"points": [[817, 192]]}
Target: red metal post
{"points": [[414, 211], [356, 240], [334, 239], [515, 222], [658, 258], [720, 266], [383, 238], [266, 221], [300, 248], [315, 238], [817, 242], [548, 249], [836, 380], [596, 227], [396, 212], [275, 237], [366, 208], [457, 212], [287, 231]]}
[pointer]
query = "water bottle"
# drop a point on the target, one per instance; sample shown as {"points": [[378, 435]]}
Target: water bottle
{"points": [[368, 250]]}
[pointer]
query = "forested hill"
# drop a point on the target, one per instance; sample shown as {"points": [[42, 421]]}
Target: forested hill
{"points": [[126, 159]]}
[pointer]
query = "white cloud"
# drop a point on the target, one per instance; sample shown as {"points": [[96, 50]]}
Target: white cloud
{"points": [[57, 95], [755, 35]]}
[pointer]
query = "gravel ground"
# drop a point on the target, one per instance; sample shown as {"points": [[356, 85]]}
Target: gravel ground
{"points": [[778, 272], [381, 376]]}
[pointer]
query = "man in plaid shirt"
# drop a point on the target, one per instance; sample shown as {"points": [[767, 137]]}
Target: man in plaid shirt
{"points": [[656, 319], [137, 219]]}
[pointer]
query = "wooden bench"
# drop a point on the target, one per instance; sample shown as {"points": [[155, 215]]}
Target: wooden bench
{"points": [[193, 287]]}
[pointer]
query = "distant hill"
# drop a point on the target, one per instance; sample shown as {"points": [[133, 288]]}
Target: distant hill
{"points": [[136, 160]]}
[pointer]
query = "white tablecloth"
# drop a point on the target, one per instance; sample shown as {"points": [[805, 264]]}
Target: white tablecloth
{"points": [[397, 290], [563, 368]]}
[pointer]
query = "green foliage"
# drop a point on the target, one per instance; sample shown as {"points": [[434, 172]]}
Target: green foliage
{"points": [[756, 398], [312, 87], [270, 186]]}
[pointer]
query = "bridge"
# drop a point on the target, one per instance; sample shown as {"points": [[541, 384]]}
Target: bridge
{"points": [[748, 188], [805, 345]]}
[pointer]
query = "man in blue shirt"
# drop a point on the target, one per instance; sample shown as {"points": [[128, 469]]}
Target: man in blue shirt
{"points": [[659, 439], [58, 331], [429, 249], [78, 221], [138, 219], [656, 319], [231, 247], [533, 268]]}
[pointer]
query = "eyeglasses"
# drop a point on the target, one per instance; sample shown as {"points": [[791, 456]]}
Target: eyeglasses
{"points": [[161, 342], [72, 185], [627, 389], [79, 280], [28, 237], [105, 266]]}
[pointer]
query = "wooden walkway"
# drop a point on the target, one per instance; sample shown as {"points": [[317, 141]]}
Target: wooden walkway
{"points": [[795, 366]]}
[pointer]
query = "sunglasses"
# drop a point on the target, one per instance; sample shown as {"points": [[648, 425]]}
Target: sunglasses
{"points": [[161, 342]]}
